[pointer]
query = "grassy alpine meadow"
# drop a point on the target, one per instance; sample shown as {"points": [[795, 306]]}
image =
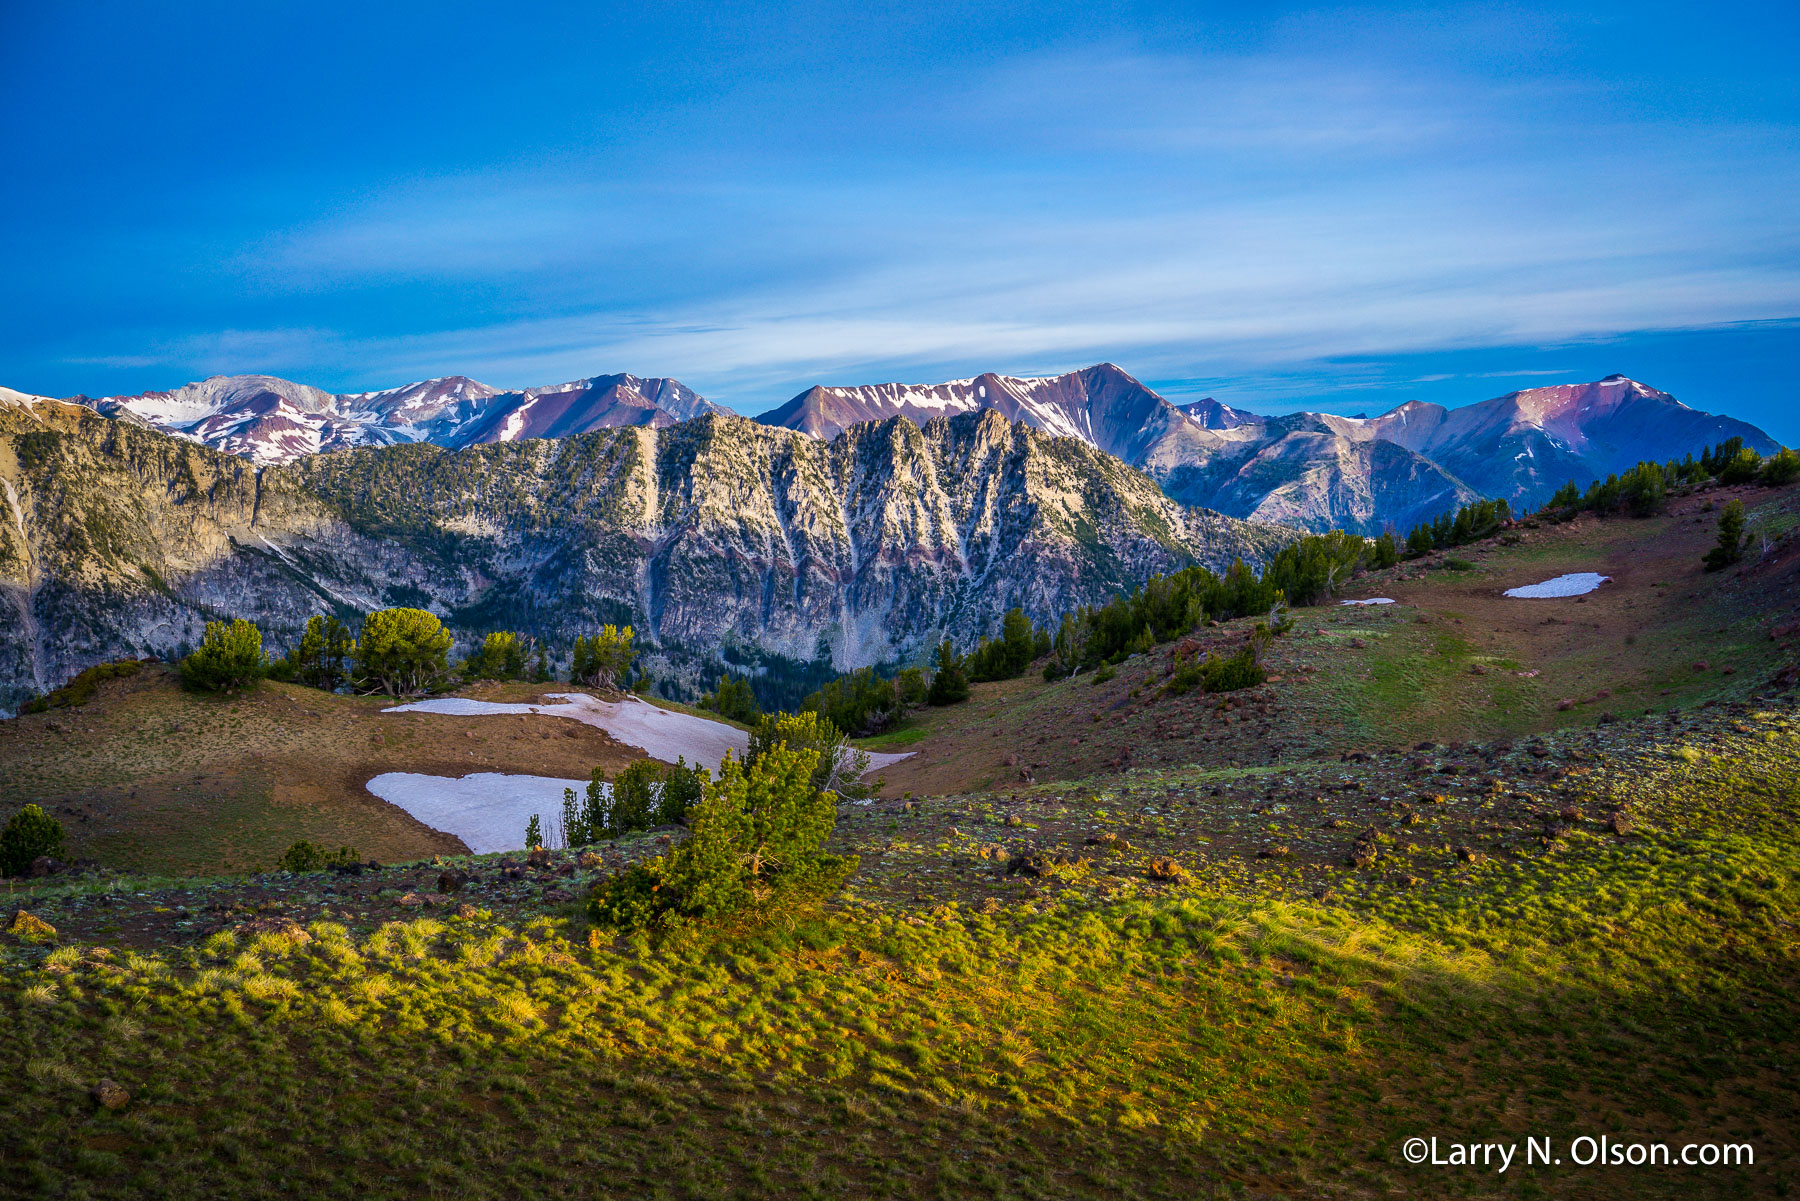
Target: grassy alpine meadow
{"points": [[1618, 959]]}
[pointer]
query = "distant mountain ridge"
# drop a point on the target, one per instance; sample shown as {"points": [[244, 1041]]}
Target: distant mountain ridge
{"points": [[272, 420], [1318, 471]]}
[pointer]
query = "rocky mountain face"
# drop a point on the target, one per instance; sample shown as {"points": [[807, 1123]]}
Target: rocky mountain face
{"points": [[1317, 470], [1525, 445], [713, 535], [271, 420]]}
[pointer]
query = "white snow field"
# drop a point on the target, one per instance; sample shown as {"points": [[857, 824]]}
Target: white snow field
{"points": [[1373, 600], [1575, 584], [487, 810], [660, 733]]}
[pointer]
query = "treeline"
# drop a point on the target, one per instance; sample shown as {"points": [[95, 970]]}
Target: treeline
{"points": [[867, 700], [1471, 523], [1644, 489], [400, 652]]}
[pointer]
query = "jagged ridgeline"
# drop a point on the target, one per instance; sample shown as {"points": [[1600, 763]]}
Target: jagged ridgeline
{"points": [[716, 538]]}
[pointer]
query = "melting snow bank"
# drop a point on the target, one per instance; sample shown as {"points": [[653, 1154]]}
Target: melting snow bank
{"points": [[660, 733], [1373, 600], [487, 810], [1563, 585]]}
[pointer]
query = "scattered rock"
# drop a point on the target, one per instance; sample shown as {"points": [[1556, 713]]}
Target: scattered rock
{"points": [[411, 900], [1362, 851], [27, 927], [1468, 854], [1700, 665], [1029, 863], [451, 880], [1104, 839], [1277, 852], [44, 865], [1620, 823], [539, 857], [108, 1095], [1163, 868], [1566, 703], [1013, 819]]}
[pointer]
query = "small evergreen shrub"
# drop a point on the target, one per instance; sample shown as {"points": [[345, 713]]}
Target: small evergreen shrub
{"points": [[306, 856], [757, 838], [30, 833], [1782, 467], [402, 652], [733, 700], [318, 661], [1731, 538], [602, 660], [501, 656], [949, 683], [230, 656]]}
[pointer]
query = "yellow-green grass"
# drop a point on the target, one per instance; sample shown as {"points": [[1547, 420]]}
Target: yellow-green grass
{"points": [[1226, 1038]]}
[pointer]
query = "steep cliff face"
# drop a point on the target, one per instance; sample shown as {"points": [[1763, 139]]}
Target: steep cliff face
{"points": [[710, 533]]}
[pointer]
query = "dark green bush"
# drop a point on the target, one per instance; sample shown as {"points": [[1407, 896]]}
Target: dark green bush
{"points": [[402, 652], [80, 689], [758, 834], [1731, 538], [1005, 657], [319, 659], [1780, 468], [733, 699], [306, 856], [29, 834], [501, 656], [949, 684], [229, 657]]}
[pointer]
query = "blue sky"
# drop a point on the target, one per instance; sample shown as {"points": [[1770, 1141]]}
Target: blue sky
{"points": [[1281, 206]]}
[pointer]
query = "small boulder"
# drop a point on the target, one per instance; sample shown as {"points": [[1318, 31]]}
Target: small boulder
{"points": [[1013, 819], [44, 865], [451, 880], [27, 927], [109, 1095], [1362, 851], [1274, 853], [411, 900], [1164, 868], [1620, 823], [1565, 704], [539, 857], [1468, 854]]}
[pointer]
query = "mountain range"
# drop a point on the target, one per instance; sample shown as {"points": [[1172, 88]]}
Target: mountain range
{"points": [[716, 537], [271, 420], [1318, 471], [1315, 471]]}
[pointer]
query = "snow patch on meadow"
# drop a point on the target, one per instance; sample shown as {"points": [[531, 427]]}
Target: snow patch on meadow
{"points": [[487, 810], [1575, 584], [660, 733]]}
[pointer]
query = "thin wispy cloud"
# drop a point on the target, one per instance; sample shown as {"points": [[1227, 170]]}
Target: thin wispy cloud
{"points": [[1193, 199]]}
